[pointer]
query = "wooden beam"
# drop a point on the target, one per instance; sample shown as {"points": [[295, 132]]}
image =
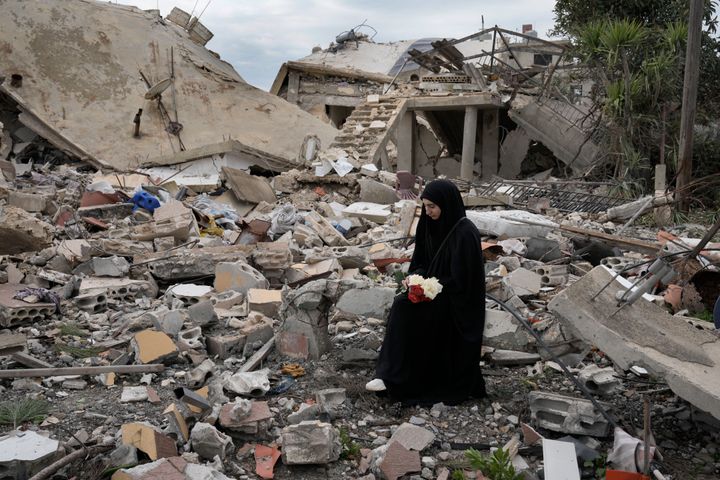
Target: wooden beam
{"points": [[62, 371], [253, 362], [648, 248], [30, 361], [279, 79]]}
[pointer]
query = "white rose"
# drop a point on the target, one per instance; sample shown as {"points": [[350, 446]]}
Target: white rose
{"points": [[431, 287]]}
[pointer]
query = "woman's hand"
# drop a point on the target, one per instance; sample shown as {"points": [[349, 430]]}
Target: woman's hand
{"points": [[405, 282]]}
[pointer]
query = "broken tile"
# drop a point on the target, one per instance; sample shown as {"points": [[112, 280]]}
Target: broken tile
{"points": [[399, 461]]}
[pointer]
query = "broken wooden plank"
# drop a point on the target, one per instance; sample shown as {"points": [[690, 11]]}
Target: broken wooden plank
{"points": [[648, 248], [257, 357], [61, 371], [30, 361], [249, 188], [12, 342]]}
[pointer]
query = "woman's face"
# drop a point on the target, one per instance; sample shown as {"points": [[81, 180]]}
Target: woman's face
{"points": [[432, 210]]}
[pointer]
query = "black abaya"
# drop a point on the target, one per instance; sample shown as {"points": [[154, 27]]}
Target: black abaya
{"points": [[431, 350]]}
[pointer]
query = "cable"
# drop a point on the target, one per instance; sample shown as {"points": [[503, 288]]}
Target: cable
{"points": [[523, 321]]}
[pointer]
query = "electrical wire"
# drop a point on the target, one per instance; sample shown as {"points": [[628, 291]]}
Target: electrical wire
{"points": [[523, 321]]}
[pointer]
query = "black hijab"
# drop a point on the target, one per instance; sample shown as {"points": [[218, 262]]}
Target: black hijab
{"points": [[431, 233]]}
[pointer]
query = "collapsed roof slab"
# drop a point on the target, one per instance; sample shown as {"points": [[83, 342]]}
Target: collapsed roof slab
{"points": [[643, 334], [557, 126], [81, 64]]}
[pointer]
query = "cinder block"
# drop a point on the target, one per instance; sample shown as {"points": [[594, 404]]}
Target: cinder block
{"points": [[570, 415], [310, 442], [264, 301], [15, 312], [238, 276], [599, 380], [552, 275], [93, 301], [617, 264], [30, 202], [224, 346]]}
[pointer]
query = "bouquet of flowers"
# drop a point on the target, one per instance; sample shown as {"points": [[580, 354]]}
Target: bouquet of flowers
{"points": [[423, 289]]}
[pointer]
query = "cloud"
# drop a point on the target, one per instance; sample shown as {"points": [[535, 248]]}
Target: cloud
{"points": [[257, 37]]}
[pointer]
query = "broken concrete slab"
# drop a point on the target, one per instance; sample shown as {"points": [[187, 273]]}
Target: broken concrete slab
{"points": [[370, 302], [22, 232], [643, 334], [151, 346], [331, 397], [24, 453], [265, 129], [300, 272], [253, 384], [324, 229], [238, 276], [512, 153], [208, 442], [372, 191], [413, 437], [172, 468], [565, 414], [30, 202], [374, 212], [399, 461], [264, 301], [249, 188], [245, 416], [523, 282], [146, 439], [110, 266], [511, 223], [503, 331], [310, 442], [190, 263], [134, 394]]}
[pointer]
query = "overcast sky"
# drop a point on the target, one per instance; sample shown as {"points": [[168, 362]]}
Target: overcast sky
{"points": [[257, 36]]}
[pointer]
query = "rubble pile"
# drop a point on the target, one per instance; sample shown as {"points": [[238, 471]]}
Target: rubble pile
{"points": [[187, 336], [215, 312]]}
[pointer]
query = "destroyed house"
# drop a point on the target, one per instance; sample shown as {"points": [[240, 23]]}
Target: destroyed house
{"points": [[473, 106], [122, 88]]}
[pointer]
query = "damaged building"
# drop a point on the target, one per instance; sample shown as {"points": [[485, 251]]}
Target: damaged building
{"points": [[196, 275], [122, 88], [430, 106]]}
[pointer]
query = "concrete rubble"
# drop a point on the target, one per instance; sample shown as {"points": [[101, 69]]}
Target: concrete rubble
{"points": [[222, 308]]}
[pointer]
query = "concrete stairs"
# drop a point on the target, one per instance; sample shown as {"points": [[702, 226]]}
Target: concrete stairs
{"points": [[369, 127]]}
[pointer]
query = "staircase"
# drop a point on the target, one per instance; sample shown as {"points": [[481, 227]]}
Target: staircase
{"points": [[368, 128]]}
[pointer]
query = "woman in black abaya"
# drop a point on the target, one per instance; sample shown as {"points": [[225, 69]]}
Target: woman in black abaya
{"points": [[431, 350]]}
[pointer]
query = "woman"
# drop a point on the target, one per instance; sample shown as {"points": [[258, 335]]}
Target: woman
{"points": [[431, 350]]}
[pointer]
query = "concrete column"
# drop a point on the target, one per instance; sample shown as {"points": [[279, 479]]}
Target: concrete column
{"points": [[490, 140], [406, 141], [468, 149], [293, 87]]}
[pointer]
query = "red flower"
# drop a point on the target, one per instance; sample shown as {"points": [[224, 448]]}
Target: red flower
{"points": [[416, 294]]}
